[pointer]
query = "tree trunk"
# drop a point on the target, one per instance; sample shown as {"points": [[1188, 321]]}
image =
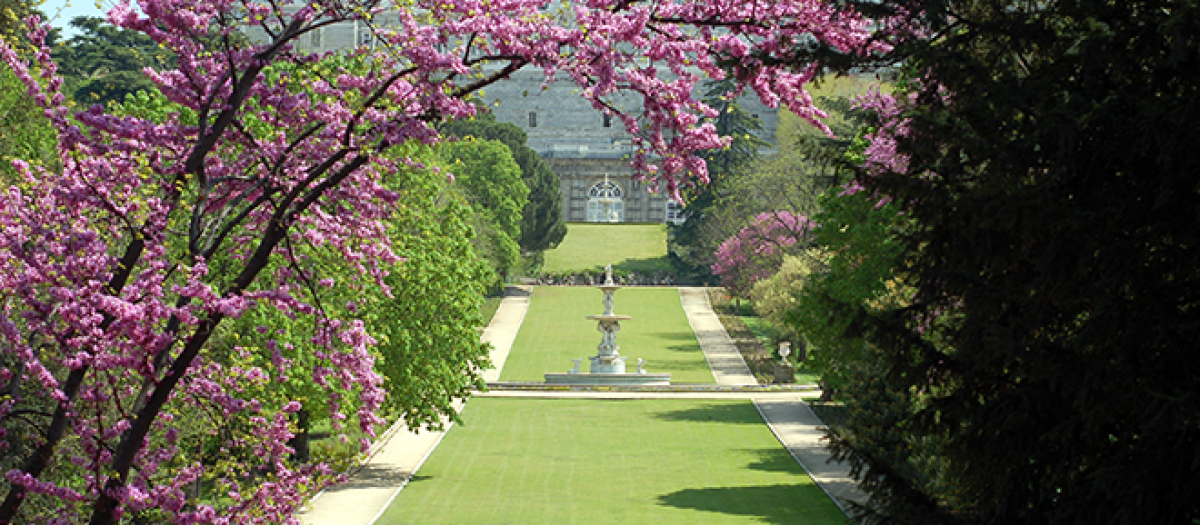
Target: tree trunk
{"points": [[300, 442]]}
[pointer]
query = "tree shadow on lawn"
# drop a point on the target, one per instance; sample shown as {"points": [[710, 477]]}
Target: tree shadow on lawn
{"points": [[715, 413], [688, 349], [675, 342], [774, 459], [673, 336], [781, 504]]}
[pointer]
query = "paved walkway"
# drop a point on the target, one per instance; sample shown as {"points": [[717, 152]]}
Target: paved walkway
{"points": [[794, 424], [400, 452], [726, 362], [801, 432]]}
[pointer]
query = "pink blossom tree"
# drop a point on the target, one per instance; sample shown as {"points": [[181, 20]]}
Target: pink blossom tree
{"points": [[118, 270], [757, 250]]}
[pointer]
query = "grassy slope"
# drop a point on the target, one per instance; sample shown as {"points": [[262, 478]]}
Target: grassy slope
{"points": [[487, 310], [570, 461], [634, 247], [555, 330]]}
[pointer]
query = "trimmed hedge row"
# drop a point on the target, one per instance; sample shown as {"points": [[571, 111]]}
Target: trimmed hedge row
{"points": [[596, 277]]}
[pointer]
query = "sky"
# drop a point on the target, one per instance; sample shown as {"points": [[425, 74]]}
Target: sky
{"points": [[71, 9]]}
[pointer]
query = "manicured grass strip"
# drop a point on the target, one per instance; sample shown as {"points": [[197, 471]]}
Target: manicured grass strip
{"points": [[556, 330], [633, 247], [487, 310], [586, 462]]}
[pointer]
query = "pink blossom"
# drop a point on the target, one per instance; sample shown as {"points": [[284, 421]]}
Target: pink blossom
{"points": [[122, 262], [756, 251]]}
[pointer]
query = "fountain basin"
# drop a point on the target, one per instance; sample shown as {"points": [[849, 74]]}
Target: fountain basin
{"points": [[608, 366]]}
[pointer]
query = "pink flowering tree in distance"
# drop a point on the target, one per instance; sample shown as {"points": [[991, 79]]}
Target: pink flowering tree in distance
{"points": [[118, 268], [756, 251]]}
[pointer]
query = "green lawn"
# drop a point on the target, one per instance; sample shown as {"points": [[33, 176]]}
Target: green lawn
{"points": [[632, 247], [555, 330], [571, 461]]}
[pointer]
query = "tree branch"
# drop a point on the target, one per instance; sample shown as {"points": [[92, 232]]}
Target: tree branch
{"points": [[40, 459], [131, 441]]}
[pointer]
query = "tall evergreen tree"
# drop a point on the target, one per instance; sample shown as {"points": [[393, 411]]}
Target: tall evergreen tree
{"points": [[1045, 164], [542, 226], [490, 180], [12, 18], [104, 63], [690, 245]]}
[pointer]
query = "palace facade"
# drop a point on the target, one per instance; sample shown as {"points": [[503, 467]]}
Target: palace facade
{"points": [[588, 150]]}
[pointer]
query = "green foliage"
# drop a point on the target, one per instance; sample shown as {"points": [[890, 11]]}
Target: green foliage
{"points": [[692, 243], [491, 181], [103, 63], [542, 225], [24, 131], [152, 105], [775, 296], [821, 297], [428, 329], [854, 272], [12, 19], [1052, 242]]}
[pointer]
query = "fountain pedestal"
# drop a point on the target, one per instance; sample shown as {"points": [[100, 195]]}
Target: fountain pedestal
{"points": [[608, 365], [608, 358]]}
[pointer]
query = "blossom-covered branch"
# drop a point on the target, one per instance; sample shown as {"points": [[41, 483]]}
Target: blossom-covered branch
{"points": [[119, 270]]}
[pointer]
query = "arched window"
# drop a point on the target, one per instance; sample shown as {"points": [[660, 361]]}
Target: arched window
{"points": [[605, 203]]}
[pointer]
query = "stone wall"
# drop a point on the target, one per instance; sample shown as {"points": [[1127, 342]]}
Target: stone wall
{"points": [[583, 146], [561, 124]]}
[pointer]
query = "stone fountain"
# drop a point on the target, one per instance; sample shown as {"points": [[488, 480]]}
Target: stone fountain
{"points": [[608, 365]]}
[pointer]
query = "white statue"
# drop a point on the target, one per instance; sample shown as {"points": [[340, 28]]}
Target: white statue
{"points": [[785, 349], [609, 340], [641, 366]]}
